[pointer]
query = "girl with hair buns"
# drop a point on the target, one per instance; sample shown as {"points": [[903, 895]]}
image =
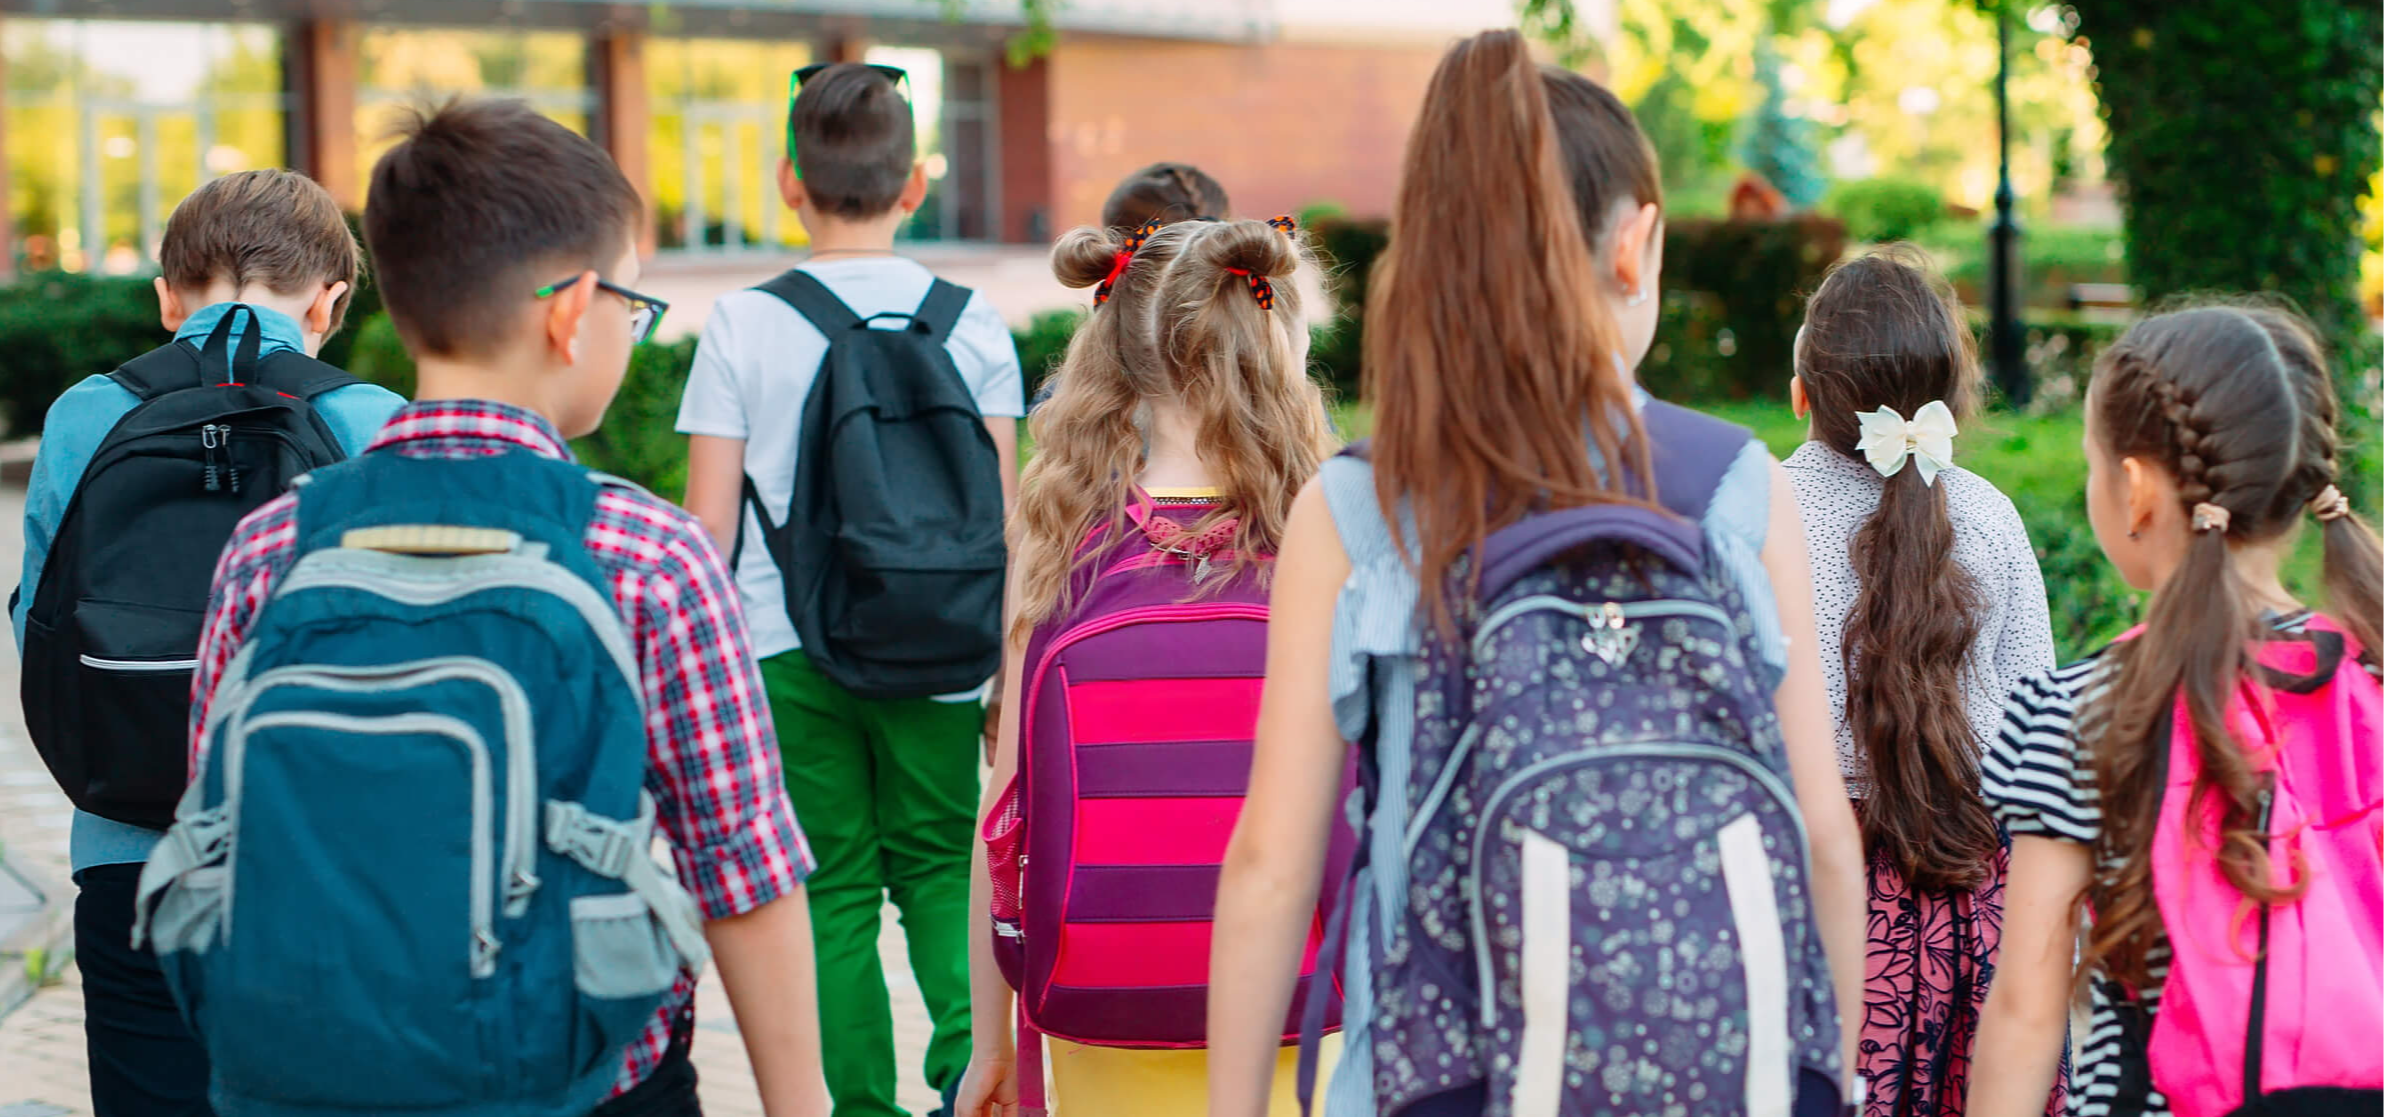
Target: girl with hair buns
{"points": [[1930, 607], [2205, 789], [1181, 426]]}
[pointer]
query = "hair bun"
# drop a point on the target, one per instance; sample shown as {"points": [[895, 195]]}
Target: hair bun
{"points": [[1255, 247], [1084, 255]]}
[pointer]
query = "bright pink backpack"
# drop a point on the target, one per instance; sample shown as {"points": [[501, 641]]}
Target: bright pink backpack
{"points": [[2289, 998], [1136, 715]]}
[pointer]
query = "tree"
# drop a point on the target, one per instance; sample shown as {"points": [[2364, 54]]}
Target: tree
{"points": [[1779, 146], [2243, 137]]}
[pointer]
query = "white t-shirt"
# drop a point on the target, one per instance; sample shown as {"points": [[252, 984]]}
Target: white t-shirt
{"points": [[754, 368]]}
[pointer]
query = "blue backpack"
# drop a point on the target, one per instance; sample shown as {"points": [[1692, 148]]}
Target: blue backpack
{"points": [[414, 872], [1605, 869]]}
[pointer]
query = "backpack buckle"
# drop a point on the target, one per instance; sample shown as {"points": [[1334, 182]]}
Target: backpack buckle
{"points": [[600, 845]]}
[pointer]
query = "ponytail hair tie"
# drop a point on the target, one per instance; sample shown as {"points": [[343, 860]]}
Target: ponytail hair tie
{"points": [[1126, 255], [2330, 505], [2211, 517], [1260, 289]]}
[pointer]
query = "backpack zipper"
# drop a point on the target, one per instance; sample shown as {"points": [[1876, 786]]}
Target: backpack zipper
{"points": [[211, 443], [1685, 750], [1604, 614], [139, 665]]}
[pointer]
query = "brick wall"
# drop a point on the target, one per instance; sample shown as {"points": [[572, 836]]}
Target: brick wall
{"points": [[1282, 125]]}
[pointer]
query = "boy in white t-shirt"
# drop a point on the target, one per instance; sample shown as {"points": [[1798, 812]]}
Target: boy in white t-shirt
{"points": [[887, 788]]}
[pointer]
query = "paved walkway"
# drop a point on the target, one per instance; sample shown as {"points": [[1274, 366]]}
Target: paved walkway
{"points": [[42, 1068]]}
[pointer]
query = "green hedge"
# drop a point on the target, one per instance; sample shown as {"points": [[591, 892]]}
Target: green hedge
{"points": [[2053, 259], [1734, 292], [1879, 209], [58, 328]]}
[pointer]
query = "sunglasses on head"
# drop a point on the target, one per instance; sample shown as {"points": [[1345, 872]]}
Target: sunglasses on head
{"points": [[895, 75]]}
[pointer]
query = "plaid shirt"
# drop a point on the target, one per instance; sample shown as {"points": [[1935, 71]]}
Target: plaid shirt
{"points": [[712, 759]]}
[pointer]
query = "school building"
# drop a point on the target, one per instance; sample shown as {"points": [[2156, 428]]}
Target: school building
{"points": [[112, 110]]}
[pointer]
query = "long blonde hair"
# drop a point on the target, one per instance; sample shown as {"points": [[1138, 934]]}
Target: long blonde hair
{"points": [[1182, 322]]}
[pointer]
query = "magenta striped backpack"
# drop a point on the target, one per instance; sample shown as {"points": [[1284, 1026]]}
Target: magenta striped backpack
{"points": [[1137, 709]]}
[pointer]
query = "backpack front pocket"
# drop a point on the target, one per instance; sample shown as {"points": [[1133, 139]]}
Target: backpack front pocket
{"points": [[355, 919], [1629, 940]]}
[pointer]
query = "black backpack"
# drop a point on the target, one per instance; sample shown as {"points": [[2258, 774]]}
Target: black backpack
{"points": [[892, 548], [113, 631]]}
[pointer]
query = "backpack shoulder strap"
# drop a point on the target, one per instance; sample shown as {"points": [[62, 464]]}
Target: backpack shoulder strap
{"points": [[812, 299], [1691, 454], [294, 373], [168, 368], [941, 310]]}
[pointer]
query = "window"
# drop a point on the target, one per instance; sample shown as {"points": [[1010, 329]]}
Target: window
{"points": [[110, 124], [398, 68], [716, 136], [952, 98]]}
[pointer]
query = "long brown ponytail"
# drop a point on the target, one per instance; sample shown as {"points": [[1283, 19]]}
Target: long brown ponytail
{"points": [[1882, 331], [2207, 395], [1489, 351]]}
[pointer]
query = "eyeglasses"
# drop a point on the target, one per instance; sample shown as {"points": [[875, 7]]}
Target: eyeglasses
{"points": [[893, 74], [645, 311]]}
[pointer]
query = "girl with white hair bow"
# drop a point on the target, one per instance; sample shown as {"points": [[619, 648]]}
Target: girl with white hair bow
{"points": [[1929, 605]]}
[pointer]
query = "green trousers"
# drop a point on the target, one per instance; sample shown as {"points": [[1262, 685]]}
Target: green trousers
{"points": [[886, 791]]}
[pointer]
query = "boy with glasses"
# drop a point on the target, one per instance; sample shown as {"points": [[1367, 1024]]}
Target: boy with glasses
{"points": [[506, 248], [881, 761]]}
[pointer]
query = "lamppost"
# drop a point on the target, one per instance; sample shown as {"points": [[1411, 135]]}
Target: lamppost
{"points": [[2006, 346]]}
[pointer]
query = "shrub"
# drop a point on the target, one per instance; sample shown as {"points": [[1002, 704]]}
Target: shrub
{"points": [[376, 356], [58, 328], [1043, 343], [363, 306], [1877, 209], [1734, 293], [2053, 257], [640, 439]]}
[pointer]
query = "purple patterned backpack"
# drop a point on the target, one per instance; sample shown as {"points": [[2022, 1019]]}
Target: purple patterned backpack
{"points": [[1607, 910]]}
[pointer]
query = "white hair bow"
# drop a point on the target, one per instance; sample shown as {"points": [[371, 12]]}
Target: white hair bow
{"points": [[1928, 438]]}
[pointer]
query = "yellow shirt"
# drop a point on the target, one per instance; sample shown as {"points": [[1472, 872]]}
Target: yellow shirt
{"points": [[1133, 1082]]}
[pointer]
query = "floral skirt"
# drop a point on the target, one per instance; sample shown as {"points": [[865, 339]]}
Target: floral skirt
{"points": [[1928, 962]]}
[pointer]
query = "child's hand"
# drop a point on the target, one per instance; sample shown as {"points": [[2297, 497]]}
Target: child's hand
{"points": [[990, 1088]]}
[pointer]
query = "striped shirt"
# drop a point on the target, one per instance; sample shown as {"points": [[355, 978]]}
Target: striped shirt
{"points": [[712, 759], [2041, 782]]}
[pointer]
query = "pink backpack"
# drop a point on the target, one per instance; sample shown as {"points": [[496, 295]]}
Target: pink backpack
{"points": [[1136, 715], [2289, 998]]}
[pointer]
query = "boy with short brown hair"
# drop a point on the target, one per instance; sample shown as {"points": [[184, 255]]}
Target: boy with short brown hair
{"points": [[263, 258], [881, 749]]}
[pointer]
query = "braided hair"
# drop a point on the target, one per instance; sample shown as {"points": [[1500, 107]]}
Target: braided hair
{"points": [[2206, 395]]}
